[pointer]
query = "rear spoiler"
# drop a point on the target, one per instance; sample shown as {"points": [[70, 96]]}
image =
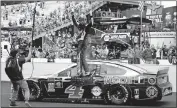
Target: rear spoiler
{"points": [[163, 71]]}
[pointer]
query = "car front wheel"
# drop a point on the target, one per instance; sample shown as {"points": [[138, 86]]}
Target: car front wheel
{"points": [[34, 92]]}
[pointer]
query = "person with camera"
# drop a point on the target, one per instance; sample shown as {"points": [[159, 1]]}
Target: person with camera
{"points": [[13, 69]]}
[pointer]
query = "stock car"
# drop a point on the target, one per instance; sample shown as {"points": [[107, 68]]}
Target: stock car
{"points": [[109, 81]]}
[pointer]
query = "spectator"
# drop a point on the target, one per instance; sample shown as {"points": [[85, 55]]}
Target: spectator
{"points": [[117, 53], [98, 49], [165, 52], [37, 53], [154, 51], [93, 52], [171, 54], [111, 54], [104, 52], [6, 14], [33, 54], [46, 54], [130, 54], [147, 55], [158, 53], [137, 55]]}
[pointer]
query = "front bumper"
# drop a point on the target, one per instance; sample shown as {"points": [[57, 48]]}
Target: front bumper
{"points": [[166, 89], [152, 92]]}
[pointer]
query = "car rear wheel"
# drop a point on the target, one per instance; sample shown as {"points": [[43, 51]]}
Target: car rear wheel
{"points": [[34, 92], [119, 95]]}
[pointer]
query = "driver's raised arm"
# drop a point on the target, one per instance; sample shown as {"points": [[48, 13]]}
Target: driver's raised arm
{"points": [[74, 20], [29, 54]]}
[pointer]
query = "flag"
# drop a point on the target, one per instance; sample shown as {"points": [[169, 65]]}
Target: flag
{"points": [[141, 6]]}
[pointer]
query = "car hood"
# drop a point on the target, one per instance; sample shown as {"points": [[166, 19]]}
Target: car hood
{"points": [[160, 71], [151, 73], [39, 77]]}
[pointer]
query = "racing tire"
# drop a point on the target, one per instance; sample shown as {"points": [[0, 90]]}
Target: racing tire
{"points": [[35, 92], [119, 95]]}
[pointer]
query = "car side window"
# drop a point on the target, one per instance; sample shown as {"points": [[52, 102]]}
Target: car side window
{"points": [[74, 71], [65, 73], [112, 70], [91, 67], [95, 68]]}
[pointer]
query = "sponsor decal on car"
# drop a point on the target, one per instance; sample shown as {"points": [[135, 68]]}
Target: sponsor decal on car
{"points": [[59, 84], [51, 87], [151, 92], [124, 80], [167, 91], [74, 91], [136, 93], [96, 91]]}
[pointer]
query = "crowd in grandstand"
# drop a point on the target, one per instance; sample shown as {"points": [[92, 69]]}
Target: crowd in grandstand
{"points": [[149, 54], [45, 23]]}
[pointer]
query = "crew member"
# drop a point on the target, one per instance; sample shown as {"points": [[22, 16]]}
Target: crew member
{"points": [[13, 69]]}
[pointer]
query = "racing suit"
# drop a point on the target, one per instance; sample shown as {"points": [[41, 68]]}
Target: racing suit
{"points": [[82, 40]]}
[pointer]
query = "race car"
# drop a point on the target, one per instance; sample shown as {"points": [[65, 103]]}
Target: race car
{"points": [[109, 81]]}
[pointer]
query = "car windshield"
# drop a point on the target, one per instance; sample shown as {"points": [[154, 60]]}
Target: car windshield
{"points": [[63, 70]]}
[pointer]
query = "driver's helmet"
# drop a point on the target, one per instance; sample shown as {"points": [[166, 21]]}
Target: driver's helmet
{"points": [[82, 19]]}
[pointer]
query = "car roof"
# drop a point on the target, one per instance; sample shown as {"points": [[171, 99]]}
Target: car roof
{"points": [[64, 68], [132, 67]]}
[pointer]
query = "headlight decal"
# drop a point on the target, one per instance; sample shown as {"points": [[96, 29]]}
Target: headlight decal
{"points": [[162, 79]]}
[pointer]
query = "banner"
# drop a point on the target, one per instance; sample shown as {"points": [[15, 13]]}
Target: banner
{"points": [[162, 34], [169, 17], [117, 36], [161, 38]]}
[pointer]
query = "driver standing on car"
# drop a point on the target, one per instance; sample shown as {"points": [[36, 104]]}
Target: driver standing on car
{"points": [[83, 29], [13, 69]]}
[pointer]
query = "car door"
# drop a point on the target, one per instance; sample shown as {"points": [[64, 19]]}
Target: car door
{"points": [[109, 69], [62, 81], [110, 72]]}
